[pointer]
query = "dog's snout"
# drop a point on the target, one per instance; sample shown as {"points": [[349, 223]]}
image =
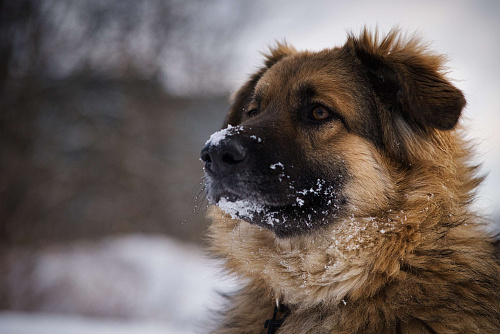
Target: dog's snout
{"points": [[233, 153], [224, 157]]}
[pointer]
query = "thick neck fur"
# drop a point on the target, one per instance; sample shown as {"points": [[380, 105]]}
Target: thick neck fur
{"points": [[426, 233]]}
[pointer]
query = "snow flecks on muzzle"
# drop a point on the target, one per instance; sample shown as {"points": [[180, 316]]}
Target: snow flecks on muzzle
{"points": [[220, 135]]}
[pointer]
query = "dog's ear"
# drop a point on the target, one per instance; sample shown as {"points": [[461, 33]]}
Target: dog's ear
{"points": [[409, 80], [244, 94]]}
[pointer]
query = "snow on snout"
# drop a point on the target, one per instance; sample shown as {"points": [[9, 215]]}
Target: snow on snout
{"points": [[256, 138], [219, 136], [279, 164]]}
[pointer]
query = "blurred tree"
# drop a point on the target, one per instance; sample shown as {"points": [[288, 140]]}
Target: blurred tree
{"points": [[18, 45], [184, 44], [91, 140]]}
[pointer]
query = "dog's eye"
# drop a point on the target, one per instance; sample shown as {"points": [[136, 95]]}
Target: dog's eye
{"points": [[319, 113], [252, 112]]}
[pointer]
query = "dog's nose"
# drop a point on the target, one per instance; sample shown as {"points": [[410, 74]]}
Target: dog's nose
{"points": [[224, 157]]}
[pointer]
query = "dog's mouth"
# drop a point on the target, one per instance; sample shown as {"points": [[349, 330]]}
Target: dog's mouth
{"points": [[285, 214]]}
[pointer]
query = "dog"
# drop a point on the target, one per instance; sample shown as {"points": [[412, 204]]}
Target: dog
{"points": [[341, 186]]}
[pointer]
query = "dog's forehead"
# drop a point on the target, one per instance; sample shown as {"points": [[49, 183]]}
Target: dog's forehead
{"points": [[304, 73], [324, 77]]}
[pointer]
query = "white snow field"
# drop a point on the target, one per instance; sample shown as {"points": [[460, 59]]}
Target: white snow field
{"points": [[130, 284]]}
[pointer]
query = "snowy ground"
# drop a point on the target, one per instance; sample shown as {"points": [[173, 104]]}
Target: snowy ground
{"points": [[22, 323], [133, 284]]}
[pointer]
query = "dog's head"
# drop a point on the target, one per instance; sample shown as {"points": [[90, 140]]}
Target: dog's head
{"points": [[313, 136]]}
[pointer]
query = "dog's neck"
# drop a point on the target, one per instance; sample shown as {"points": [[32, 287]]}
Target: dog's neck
{"points": [[331, 264]]}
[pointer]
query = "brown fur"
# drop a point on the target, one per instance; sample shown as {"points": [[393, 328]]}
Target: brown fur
{"points": [[404, 253]]}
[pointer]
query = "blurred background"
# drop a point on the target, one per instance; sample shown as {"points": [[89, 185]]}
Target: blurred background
{"points": [[104, 107]]}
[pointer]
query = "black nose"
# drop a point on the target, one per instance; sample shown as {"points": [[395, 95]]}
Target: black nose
{"points": [[224, 157]]}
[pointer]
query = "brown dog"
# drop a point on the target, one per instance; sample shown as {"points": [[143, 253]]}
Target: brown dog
{"points": [[342, 189]]}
